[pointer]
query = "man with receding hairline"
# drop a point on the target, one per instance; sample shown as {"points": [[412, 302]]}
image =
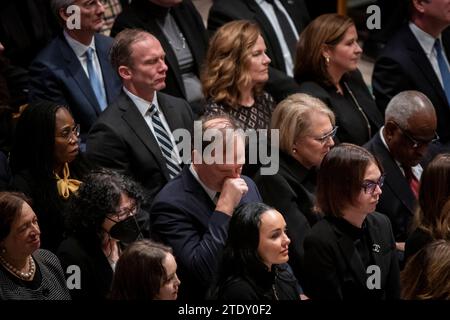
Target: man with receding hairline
{"points": [[400, 145]]}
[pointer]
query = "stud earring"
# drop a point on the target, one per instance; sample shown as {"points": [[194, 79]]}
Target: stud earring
{"points": [[327, 60], [294, 150]]}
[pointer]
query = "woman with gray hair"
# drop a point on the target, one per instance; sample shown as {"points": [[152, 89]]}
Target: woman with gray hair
{"points": [[306, 128]]}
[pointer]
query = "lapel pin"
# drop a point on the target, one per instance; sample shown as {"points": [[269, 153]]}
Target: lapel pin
{"points": [[376, 247]]}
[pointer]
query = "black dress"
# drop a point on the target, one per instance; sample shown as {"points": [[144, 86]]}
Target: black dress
{"points": [[278, 284]]}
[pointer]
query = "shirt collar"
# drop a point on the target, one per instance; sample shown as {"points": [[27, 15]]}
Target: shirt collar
{"points": [[79, 48], [426, 40], [142, 104], [211, 193]]}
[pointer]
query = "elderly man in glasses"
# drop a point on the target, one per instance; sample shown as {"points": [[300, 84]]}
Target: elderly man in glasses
{"points": [[401, 145]]}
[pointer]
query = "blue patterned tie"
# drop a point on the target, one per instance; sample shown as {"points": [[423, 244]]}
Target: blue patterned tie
{"points": [[444, 68], [165, 144], [94, 80]]}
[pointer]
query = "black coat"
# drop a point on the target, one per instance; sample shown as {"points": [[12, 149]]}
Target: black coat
{"points": [[334, 270]]}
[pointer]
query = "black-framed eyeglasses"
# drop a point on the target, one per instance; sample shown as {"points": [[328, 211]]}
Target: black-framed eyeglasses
{"points": [[125, 213], [68, 133], [323, 139], [370, 186], [416, 143]]}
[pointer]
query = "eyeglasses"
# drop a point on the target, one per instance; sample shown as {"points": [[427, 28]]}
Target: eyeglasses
{"points": [[323, 139], [126, 212], [370, 186], [68, 133], [416, 143]]}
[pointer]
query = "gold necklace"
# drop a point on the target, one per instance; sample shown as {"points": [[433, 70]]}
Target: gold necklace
{"points": [[27, 276]]}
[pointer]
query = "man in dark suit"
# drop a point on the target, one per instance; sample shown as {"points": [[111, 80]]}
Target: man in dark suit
{"points": [[280, 83], [401, 145], [74, 68], [191, 213], [410, 61], [135, 134], [179, 27]]}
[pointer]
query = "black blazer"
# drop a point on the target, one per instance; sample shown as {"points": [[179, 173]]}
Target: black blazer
{"points": [[280, 84], [121, 140], [397, 200], [334, 270], [403, 65], [352, 125], [57, 75], [143, 13], [96, 273], [291, 192], [184, 217]]}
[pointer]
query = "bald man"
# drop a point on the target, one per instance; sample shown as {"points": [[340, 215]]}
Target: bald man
{"points": [[400, 145]]}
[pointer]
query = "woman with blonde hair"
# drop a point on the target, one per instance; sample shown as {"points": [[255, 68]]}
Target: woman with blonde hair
{"points": [[234, 74], [326, 67], [306, 128]]}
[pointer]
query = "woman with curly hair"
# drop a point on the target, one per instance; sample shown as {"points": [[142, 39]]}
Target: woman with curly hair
{"points": [[103, 214], [47, 164], [235, 72]]}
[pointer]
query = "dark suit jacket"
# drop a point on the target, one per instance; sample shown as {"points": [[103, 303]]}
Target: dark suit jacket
{"points": [[291, 192], [57, 75], [352, 125], [403, 65], [279, 85], [96, 273], [184, 217], [397, 200], [142, 14], [121, 140], [334, 270]]}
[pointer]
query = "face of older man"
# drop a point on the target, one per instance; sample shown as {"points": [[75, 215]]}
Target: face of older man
{"points": [[409, 145], [91, 14]]}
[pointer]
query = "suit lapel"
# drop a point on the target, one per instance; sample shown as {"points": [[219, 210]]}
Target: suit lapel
{"points": [[137, 124], [193, 187], [78, 74], [379, 246], [394, 177]]}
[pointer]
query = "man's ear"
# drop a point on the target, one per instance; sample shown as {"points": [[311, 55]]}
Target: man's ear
{"points": [[389, 130], [124, 72], [63, 14], [418, 5]]}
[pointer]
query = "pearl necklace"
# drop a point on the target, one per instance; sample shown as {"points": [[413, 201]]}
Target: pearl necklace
{"points": [[28, 276]]}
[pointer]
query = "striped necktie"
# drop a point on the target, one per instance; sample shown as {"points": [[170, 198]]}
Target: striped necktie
{"points": [[165, 144]]}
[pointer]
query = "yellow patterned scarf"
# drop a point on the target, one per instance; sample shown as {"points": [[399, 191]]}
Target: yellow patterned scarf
{"points": [[65, 185]]}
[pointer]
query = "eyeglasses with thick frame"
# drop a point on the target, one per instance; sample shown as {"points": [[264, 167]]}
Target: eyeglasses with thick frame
{"points": [[323, 139], [415, 143], [125, 213], [68, 133], [370, 186]]}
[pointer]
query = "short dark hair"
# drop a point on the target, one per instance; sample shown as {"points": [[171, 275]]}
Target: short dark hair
{"points": [[10, 208], [340, 177], [140, 271], [120, 52], [98, 196]]}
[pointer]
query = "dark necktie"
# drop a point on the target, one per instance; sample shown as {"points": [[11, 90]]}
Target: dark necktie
{"points": [[285, 26], [165, 144], [443, 68], [412, 180]]}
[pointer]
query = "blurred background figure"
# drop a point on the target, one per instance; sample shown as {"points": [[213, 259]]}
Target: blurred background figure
{"points": [[427, 274], [103, 216], [146, 270], [26, 272], [432, 218], [340, 248], [307, 129], [326, 67], [47, 164], [234, 75], [253, 265]]}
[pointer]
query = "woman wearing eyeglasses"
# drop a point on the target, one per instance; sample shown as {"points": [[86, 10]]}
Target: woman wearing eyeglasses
{"points": [[350, 254], [306, 129], [103, 215], [326, 67], [47, 165]]}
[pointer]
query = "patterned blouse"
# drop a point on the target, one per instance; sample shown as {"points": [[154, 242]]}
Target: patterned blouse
{"points": [[255, 117]]}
